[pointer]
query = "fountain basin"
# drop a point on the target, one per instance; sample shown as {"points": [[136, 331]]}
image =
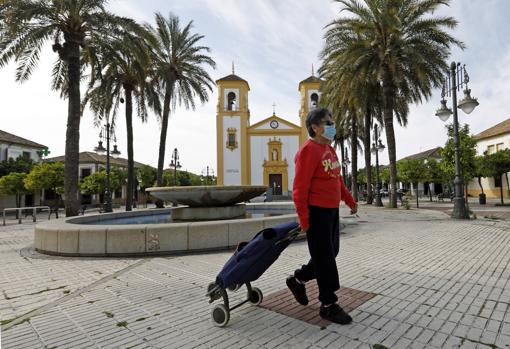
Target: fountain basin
{"points": [[207, 196], [85, 236]]}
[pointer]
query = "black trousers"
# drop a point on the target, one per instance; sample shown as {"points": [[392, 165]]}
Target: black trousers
{"points": [[323, 243]]}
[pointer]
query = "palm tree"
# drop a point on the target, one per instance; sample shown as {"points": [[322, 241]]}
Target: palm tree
{"points": [[400, 44], [26, 26], [121, 67], [177, 66]]}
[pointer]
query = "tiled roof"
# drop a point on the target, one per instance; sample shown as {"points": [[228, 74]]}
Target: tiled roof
{"points": [[6, 137], [88, 157], [311, 78], [431, 153], [232, 77], [496, 130]]}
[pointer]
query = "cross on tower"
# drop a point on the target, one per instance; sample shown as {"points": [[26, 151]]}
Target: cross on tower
{"points": [[274, 105]]}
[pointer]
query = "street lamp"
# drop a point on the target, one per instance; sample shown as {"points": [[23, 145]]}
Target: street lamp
{"points": [[345, 168], [175, 164], [455, 79], [206, 171], [107, 132], [377, 147]]}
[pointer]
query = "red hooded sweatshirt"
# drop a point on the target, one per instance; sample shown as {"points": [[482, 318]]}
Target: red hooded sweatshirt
{"points": [[318, 181]]}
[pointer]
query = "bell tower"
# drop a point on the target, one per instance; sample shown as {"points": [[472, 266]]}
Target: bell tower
{"points": [[309, 90], [232, 122]]}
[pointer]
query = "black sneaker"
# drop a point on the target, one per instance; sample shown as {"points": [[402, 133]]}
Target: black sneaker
{"points": [[335, 313], [298, 290]]}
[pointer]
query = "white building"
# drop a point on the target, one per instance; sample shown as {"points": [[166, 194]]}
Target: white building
{"points": [[12, 147], [491, 140], [90, 162], [262, 153]]}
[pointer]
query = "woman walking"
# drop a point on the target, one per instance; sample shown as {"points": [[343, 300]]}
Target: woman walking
{"points": [[317, 192]]}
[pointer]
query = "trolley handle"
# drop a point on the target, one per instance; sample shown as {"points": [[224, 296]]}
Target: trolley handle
{"points": [[291, 235]]}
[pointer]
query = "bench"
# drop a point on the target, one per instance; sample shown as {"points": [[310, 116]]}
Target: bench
{"points": [[21, 209], [91, 206], [441, 196]]}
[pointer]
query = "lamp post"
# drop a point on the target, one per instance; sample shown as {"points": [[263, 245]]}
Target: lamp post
{"points": [[377, 147], [107, 132], [345, 170], [175, 164], [206, 171], [455, 79]]}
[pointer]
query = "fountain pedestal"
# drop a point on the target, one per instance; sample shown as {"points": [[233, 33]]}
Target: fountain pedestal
{"points": [[208, 213]]}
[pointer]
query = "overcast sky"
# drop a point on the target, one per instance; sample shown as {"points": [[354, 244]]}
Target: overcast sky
{"points": [[273, 45]]}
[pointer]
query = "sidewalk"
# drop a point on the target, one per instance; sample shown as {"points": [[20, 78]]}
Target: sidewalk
{"points": [[436, 283]]}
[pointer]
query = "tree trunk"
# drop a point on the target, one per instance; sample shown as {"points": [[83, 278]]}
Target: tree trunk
{"points": [[480, 183], [162, 144], [368, 157], [467, 202], [130, 169], [430, 193], [388, 95], [501, 188], [354, 147], [416, 192], [72, 203]]}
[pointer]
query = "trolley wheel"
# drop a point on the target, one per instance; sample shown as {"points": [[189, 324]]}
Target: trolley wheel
{"points": [[234, 287], [220, 315], [256, 296]]}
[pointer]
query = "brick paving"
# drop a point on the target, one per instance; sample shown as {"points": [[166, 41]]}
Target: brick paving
{"points": [[439, 283], [283, 302]]}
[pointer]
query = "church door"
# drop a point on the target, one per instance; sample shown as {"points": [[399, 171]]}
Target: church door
{"points": [[275, 182]]}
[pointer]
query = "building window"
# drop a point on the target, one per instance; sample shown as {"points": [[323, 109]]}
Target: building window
{"points": [[497, 182], [231, 138], [26, 155], [490, 149], [499, 146], [85, 172]]}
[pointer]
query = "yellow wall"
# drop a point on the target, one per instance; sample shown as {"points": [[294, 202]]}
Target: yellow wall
{"points": [[303, 112], [244, 113]]}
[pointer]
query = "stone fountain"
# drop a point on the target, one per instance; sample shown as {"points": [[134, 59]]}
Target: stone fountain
{"points": [[212, 219], [207, 202]]}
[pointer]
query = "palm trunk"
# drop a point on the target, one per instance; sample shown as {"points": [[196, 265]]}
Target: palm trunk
{"points": [[354, 146], [389, 93], [130, 169], [72, 132], [368, 157], [162, 144]]}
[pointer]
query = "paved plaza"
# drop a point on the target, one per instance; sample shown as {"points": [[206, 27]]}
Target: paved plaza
{"points": [[438, 283]]}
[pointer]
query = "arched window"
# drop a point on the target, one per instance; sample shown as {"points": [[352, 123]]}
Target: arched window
{"points": [[231, 101], [314, 100]]}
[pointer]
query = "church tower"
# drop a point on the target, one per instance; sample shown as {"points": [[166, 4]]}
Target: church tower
{"points": [[310, 95], [232, 122]]}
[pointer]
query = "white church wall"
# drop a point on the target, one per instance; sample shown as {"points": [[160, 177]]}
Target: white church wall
{"points": [[290, 146], [289, 149], [232, 158]]}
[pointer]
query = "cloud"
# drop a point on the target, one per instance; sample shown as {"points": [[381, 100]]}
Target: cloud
{"points": [[273, 44]]}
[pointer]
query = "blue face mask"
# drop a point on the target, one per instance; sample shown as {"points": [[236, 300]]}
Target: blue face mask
{"points": [[329, 132]]}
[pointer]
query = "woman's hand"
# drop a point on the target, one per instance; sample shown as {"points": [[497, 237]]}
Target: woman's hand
{"points": [[354, 209]]}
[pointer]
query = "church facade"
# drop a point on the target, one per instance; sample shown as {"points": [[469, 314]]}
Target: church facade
{"points": [[262, 153]]}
